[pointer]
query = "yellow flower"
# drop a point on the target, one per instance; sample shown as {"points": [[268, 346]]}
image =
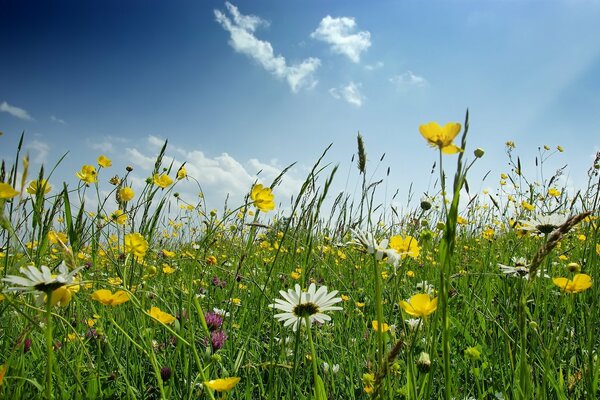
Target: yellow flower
{"points": [[57, 237], [40, 184], [136, 244], [119, 217], [61, 296], [223, 384], [108, 298], [461, 221], [162, 180], [167, 253], [7, 191], [262, 197], [527, 205], [553, 192], [161, 316], [181, 173], [115, 281], [420, 305], [125, 194], [368, 381], [440, 137], [598, 249], [407, 246], [104, 161], [384, 327], [295, 275], [211, 260], [167, 269], [579, 283], [88, 174]]}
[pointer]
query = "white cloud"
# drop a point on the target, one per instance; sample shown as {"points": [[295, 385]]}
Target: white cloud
{"points": [[15, 111], [39, 151], [350, 93], [108, 144], [408, 79], [339, 33], [372, 67], [57, 120], [241, 29], [220, 177]]}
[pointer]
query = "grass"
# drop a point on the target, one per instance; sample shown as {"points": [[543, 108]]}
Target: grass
{"points": [[492, 336]]}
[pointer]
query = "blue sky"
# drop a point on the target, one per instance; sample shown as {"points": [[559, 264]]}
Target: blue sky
{"points": [[246, 86]]}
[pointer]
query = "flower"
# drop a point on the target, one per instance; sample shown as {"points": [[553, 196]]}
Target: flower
{"points": [[109, 298], [88, 174], [222, 384], [543, 223], [217, 340], [119, 217], [42, 280], [181, 172], [162, 180], [213, 320], [136, 244], [104, 161], [161, 316], [125, 194], [40, 184], [296, 305], [553, 192], [366, 240], [441, 137], [7, 191], [407, 246], [579, 283], [384, 327], [419, 305], [211, 260], [57, 237], [262, 198], [520, 269]]}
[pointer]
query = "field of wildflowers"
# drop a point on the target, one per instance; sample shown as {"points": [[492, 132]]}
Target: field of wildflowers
{"points": [[467, 296]]}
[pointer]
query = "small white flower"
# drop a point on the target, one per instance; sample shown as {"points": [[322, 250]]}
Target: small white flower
{"points": [[41, 280], [296, 305], [366, 240], [426, 287], [221, 312], [543, 223], [520, 269], [413, 323]]}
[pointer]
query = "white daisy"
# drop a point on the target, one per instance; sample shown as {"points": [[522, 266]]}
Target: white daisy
{"points": [[366, 240], [296, 305], [520, 269], [543, 223], [41, 280]]}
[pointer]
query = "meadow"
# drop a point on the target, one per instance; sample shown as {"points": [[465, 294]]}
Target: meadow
{"points": [[486, 295]]}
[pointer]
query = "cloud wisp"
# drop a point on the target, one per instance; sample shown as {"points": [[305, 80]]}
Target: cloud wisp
{"points": [[340, 34], [15, 111], [242, 28], [350, 93], [408, 79]]}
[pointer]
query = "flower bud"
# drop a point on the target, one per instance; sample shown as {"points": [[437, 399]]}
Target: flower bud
{"points": [[424, 362], [479, 152]]}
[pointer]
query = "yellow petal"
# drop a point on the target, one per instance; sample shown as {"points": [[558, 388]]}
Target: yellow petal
{"points": [[582, 282], [431, 131], [450, 131], [561, 282], [451, 149]]}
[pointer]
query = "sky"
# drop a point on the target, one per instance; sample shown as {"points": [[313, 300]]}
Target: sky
{"points": [[247, 86]]}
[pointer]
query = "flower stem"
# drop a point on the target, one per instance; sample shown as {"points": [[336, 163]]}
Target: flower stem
{"points": [[379, 313], [49, 345]]}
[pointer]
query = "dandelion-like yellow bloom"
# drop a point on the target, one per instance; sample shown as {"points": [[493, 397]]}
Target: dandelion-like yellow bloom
{"points": [[181, 173], [104, 161], [125, 194], [88, 174], [167, 253], [109, 298], [161, 316], [211, 260], [553, 192], [119, 217], [136, 244], [7, 191], [384, 327], [579, 283], [263, 198], [57, 237], [162, 180], [222, 384], [527, 206], [420, 305], [440, 137], [40, 184], [406, 247]]}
